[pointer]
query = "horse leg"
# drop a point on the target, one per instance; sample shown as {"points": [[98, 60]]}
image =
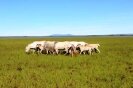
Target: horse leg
{"points": [[72, 53], [84, 52], [98, 50], [81, 51], [66, 51], [90, 52], [56, 51]]}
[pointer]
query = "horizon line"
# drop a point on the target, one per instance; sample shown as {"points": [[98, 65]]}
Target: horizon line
{"points": [[65, 35]]}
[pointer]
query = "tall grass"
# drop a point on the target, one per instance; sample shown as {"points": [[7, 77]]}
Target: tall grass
{"points": [[112, 68]]}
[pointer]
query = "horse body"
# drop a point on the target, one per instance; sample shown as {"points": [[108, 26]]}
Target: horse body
{"points": [[62, 46]]}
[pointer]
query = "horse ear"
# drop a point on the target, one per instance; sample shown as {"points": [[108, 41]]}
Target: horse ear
{"points": [[86, 44], [56, 42], [38, 45]]}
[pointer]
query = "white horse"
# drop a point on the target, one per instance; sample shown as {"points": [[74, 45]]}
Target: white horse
{"points": [[84, 49], [95, 47], [49, 46], [62, 46], [33, 46]]}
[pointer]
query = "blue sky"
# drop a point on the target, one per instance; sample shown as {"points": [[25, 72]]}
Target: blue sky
{"points": [[78, 17]]}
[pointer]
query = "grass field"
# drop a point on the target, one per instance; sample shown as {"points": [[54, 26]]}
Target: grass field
{"points": [[112, 68]]}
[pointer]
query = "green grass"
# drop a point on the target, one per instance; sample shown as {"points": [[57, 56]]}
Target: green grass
{"points": [[112, 68]]}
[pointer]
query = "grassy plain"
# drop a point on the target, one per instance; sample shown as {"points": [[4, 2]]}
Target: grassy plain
{"points": [[112, 68]]}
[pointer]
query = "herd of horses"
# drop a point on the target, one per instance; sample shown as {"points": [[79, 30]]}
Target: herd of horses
{"points": [[72, 48]]}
